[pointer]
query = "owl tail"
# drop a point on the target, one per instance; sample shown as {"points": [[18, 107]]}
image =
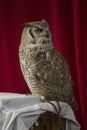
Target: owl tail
{"points": [[74, 104]]}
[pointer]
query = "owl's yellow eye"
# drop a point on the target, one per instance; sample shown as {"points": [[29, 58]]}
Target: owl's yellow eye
{"points": [[38, 30]]}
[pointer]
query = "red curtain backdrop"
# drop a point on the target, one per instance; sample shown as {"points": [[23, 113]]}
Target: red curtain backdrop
{"points": [[68, 22]]}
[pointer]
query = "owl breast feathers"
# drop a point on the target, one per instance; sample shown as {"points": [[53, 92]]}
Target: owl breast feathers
{"points": [[45, 70]]}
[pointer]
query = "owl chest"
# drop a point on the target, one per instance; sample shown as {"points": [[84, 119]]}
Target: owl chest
{"points": [[35, 63], [32, 64]]}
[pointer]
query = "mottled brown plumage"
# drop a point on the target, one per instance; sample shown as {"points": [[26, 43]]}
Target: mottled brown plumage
{"points": [[45, 70]]}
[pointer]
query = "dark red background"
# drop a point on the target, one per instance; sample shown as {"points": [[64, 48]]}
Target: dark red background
{"points": [[68, 22]]}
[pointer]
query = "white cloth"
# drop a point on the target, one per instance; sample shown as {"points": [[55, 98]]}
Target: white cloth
{"points": [[19, 112]]}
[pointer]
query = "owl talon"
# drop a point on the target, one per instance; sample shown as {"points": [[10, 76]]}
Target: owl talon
{"points": [[42, 98]]}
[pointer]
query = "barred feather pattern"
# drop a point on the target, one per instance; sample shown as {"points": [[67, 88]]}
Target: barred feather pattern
{"points": [[46, 72]]}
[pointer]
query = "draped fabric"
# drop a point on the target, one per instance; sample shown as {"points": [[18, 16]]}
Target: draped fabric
{"points": [[68, 23]]}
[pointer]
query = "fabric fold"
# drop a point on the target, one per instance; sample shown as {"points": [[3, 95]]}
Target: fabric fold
{"points": [[20, 112]]}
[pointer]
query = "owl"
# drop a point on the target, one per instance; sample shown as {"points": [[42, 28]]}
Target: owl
{"points": [[45, 70]]}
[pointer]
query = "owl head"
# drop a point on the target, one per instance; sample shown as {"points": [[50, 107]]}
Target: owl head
{"points": [[36, 34]]}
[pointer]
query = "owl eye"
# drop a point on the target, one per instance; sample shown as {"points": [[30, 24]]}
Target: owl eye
{"points": [[38, 30]]}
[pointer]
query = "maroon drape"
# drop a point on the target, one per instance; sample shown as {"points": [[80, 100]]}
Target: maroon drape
{"points": [[68, 22]]}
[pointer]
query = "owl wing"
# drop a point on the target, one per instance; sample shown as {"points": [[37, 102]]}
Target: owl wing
{"points": [[53, 68], [54, 71]]}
